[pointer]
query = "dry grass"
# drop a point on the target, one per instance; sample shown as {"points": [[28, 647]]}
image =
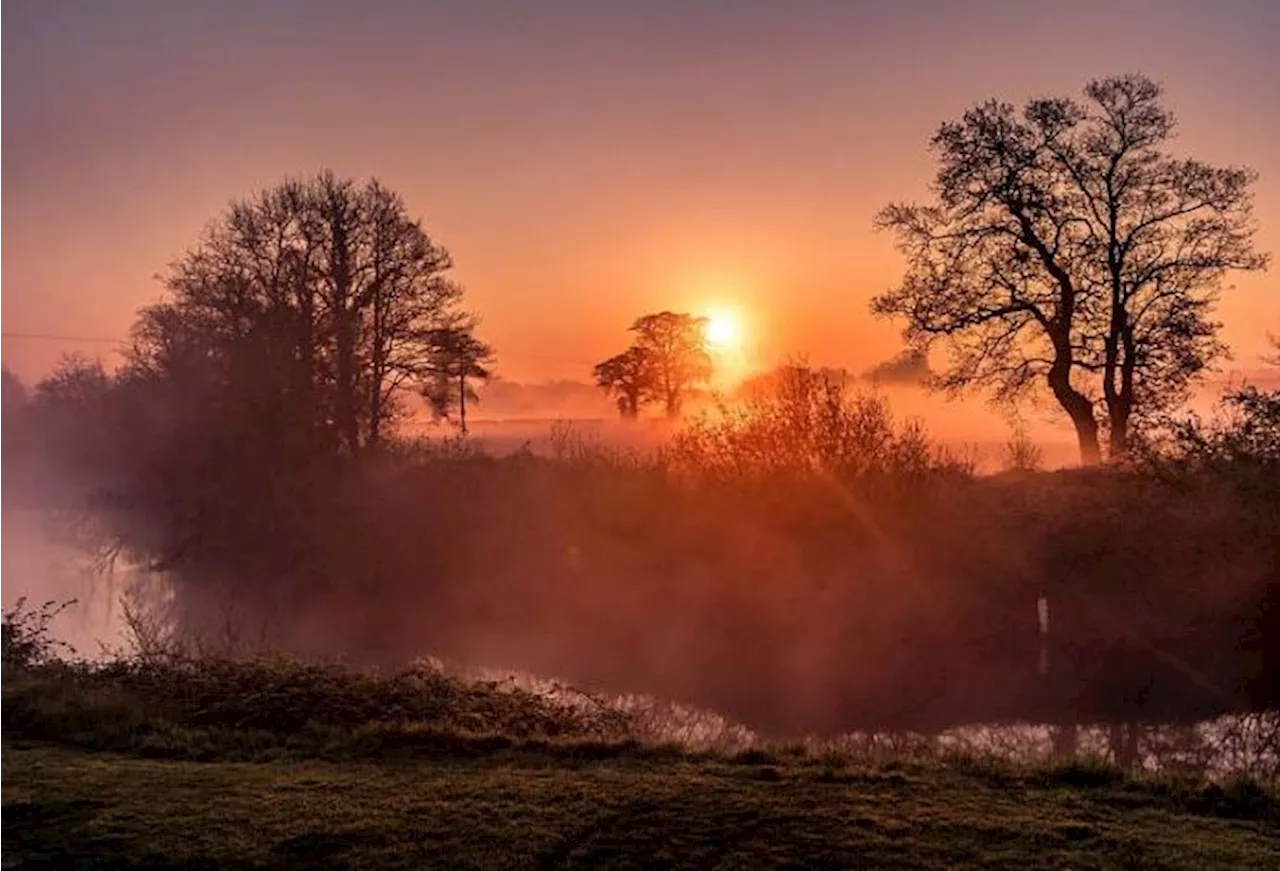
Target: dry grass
{"points": [[65, 808]]}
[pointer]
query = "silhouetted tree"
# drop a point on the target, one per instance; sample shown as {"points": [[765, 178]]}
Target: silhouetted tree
{"points": [[909, 367], [312, 304], [629, 377], [457, 357], [675, 345], [1067, 246], [14, 392], [16, 442], [72, 407], [281, 350]]}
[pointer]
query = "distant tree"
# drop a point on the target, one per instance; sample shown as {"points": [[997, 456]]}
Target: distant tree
{"points": [[675, 345], [767, 384], [456, 358], [1066, 246], [14, 392], [630, 377], [310, 307], [75, 419], [15, 439], [75, 381], [909, 367]]}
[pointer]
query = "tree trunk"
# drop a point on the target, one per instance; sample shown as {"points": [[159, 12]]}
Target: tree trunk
{"points": [[377, 369], [1118, 434], [1120, 404], [1080, 410], [1087, 439], [462, 403], [343, 314]]}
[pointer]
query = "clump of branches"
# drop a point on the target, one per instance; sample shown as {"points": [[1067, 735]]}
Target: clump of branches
{"points": [[25, 639], [805, 423], [1238, 445], [1021, 453], [1244, 434]]}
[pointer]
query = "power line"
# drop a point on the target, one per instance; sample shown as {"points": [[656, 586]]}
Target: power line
{"points": [[54, 337], [50, 337]]}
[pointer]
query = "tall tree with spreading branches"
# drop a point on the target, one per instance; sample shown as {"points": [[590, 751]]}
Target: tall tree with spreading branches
{"points": [[1067, 248], [14, 392], [311, 306]]}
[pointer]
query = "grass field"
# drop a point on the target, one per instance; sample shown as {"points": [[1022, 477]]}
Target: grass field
{"points": [[209, 763], [72, 808]]}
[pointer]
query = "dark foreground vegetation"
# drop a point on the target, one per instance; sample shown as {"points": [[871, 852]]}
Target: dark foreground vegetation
{"points": [[211, 763]]}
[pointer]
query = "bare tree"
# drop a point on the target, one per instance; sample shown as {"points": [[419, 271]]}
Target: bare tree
{"points": [[1067, 247], [314, 300], [457, 357], [629, 377], [675, 345]]}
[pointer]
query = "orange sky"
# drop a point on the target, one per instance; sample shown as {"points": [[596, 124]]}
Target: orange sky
{"points": [[584, 162]]}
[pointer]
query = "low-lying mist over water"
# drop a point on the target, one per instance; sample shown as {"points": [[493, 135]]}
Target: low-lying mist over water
{"points": [[40, 565], [802, 564]]}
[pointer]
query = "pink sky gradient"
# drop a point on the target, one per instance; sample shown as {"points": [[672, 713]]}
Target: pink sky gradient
{"points": [[584, 162]]}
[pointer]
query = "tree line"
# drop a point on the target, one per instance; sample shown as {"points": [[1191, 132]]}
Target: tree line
{"points": [[1066, 252]]}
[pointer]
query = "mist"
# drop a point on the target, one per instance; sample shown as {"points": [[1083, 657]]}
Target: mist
{"points": [[809, 563], [40, 565]]}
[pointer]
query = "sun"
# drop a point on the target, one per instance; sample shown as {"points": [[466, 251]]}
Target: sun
{"points": [[723, 330]]}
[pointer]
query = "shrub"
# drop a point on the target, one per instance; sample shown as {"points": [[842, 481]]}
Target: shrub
{"points": [[808, 423], [118, 704], [24, 634]]}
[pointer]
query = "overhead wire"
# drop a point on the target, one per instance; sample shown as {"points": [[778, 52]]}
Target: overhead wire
{"points": [[65, 337]]}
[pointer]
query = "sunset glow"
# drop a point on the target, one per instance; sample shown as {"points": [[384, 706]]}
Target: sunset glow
{"points": [[724, 330], [650, 389], [715, 157]]}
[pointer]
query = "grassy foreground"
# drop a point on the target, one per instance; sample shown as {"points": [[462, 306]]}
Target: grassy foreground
{"points": [[66, 807], [208, 763]]}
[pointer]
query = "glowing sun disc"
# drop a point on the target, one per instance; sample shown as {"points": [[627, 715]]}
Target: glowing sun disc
{"points": [[723, 330]]}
